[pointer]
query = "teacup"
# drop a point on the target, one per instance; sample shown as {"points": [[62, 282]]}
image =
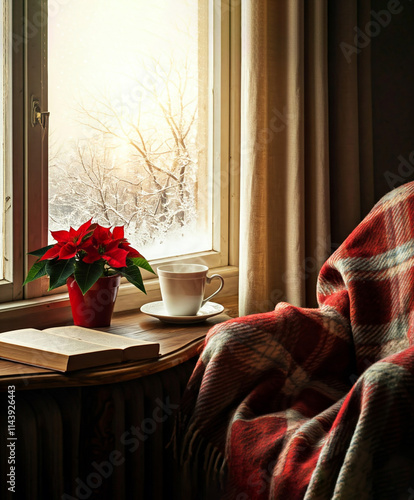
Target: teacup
{"points": [[183, 286]]}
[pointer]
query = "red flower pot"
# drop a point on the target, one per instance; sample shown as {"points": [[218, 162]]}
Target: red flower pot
{"points": [[94, 309]]}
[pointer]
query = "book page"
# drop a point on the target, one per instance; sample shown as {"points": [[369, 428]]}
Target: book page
{"points": [[44, 341], [40, 348], [97, 337]]}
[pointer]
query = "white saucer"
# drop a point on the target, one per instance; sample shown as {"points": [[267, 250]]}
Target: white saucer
{"points": [[157, 310]]}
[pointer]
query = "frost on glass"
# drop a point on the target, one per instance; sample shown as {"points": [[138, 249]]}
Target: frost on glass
{"points": [[127, 135]]}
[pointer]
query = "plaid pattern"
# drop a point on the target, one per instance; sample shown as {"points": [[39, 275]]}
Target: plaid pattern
{"points": [[318, 403]]}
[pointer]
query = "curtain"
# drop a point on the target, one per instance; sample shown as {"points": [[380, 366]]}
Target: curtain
{"points": [[304, 136]]}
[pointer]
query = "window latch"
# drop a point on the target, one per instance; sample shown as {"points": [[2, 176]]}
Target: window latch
{"points": [[38, 116]]}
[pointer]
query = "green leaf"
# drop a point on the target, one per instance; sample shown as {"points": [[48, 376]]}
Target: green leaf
{"points": [[41, 251], [59, 271], [86, 275], [133, 275], [36, 271], [141, 262]]}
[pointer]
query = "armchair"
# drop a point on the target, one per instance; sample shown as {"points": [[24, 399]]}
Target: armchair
{"points": [[317, 403]]}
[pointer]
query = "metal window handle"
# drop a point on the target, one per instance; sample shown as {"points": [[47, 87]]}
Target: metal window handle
{"points": [[38, 116]]}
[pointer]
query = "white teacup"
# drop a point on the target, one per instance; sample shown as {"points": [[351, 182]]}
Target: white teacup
{"points": [[183, 286]]}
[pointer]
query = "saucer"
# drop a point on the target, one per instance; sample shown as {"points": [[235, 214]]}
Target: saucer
{"points": [[157, 310]]}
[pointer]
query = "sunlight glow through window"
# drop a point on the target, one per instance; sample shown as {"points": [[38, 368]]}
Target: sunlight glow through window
{"points": [[128, 101]]}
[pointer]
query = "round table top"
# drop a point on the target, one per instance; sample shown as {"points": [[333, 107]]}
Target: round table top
{"points": [[178, 343]]}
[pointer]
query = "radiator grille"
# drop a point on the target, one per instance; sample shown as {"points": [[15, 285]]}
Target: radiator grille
{"points": [[104, 442]]}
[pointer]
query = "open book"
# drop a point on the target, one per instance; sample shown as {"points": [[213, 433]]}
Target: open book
{"points": [[68, 348]]}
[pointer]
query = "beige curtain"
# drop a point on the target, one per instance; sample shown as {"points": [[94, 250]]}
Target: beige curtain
{"points": [[292, 183]]}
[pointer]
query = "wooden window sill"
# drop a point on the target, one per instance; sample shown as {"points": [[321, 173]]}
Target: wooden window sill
{"points": [[54, 309]]}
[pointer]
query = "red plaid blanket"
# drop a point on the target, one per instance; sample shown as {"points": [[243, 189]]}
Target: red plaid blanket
{"points": [[318, 403]]}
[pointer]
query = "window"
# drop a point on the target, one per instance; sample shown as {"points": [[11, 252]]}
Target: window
{"points": [[139, 132], [128, 100]]}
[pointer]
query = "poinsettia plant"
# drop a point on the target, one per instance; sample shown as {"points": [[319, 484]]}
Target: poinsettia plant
{"points": [[88, 253]]}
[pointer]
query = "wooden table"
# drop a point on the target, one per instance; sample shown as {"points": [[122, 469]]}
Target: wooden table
{"points": [[70, 428], [178, 343]]}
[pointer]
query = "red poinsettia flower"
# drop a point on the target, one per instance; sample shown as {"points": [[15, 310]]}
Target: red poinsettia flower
{"points": [[124, 244], [90, 252], [68, 242], [103, 245]]}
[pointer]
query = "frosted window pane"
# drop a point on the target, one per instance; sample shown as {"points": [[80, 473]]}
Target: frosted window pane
{"points": [[128, 124]]}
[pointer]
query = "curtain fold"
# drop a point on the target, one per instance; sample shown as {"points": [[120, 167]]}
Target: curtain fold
{"points": [[301, 146], [350, 118]]}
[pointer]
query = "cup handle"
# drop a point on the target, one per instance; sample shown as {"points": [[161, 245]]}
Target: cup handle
{"points": [[209, 280]]}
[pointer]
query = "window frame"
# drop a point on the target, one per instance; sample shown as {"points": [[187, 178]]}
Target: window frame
{"points": [[13, 204], [30, 164], [36, 143]]}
